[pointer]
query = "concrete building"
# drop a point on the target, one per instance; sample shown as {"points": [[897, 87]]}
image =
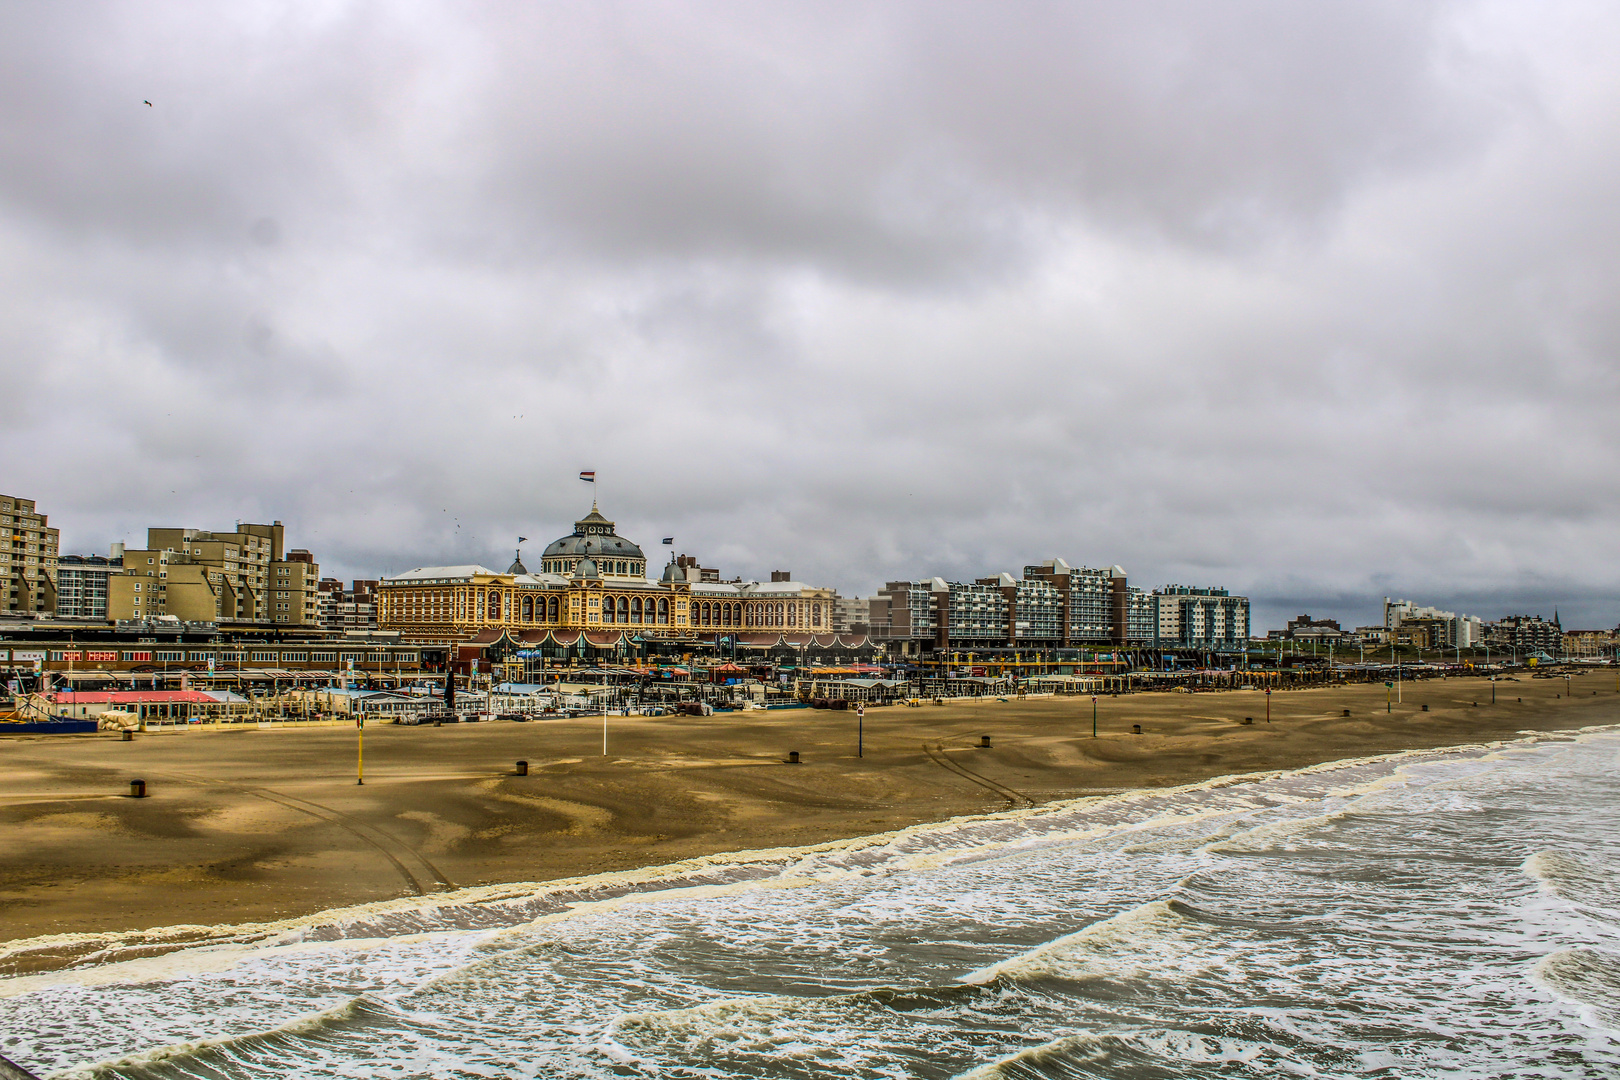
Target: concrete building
{"points": [[1464, 631], [1056, 605], [599, 586], [201, 576], [28, 554], [81, 583], [354, 608], [1201, 618], [851, 614], [1526, 634]]}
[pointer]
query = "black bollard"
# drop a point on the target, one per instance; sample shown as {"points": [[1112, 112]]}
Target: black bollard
{"points": [[137, 789], [1345, 712], [1425, 708], [523, 768], [1248, 719], [128, 736], [793, 757], [1136, 729], [984, 742]]}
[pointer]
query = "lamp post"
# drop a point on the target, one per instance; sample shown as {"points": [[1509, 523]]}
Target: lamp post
{"points": [[1094, 715]]}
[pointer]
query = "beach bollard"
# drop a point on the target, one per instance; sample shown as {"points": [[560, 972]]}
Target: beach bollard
{"points": [[1136, 729], [438, 723], [137, 789], [984, 742], [129, 735], [523, 768], [1248, 719], [1425, 708], [793, 757], [1344, 712]]}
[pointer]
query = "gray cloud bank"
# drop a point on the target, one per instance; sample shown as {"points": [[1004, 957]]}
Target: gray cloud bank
{"points": [[1313, 301]]}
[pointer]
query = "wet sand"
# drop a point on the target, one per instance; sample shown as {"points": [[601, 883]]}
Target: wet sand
{"points": [[247, 825]]}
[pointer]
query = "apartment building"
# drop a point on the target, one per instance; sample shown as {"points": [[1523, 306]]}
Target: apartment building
{"points": [[851, 614], [1201, 618], [28, 551], [81, 583], [354, 608], [196, 575], [1056, 605]]}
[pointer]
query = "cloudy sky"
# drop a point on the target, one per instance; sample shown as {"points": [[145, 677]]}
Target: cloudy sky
{"points": [[1313, 301]]}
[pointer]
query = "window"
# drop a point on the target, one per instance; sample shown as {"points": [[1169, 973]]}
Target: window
{"points": [[264, 657], [294, 658], [168, 657], [323, 657]]}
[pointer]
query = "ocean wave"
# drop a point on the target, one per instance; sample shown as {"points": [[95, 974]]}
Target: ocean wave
{"points": [[1112, 1054], [1585, 977], [1160, 930], [1569, 878], [255, 1044]]}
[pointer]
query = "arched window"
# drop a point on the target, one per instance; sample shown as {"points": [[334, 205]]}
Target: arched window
{"points": [[607, 609], [815, 615], [528, 609], [708, 614], [663, 609], [635, 609], [624, 609], [551, 609]]}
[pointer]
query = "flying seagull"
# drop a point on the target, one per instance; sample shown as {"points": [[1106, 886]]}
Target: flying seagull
{"points": [[148, 104]]}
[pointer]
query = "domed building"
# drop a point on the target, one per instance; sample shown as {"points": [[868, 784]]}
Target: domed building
{"points": [[592, 587], [593, 537]]}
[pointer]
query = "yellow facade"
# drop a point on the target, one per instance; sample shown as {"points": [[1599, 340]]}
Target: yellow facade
{"points": [[605, 589]]}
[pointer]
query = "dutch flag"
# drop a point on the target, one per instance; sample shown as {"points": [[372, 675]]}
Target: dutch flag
{"points": [[669, 539], [589, 476]]}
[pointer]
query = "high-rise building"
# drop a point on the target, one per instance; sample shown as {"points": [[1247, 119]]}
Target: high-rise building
{"points": [[81, 583], [201, 576], [28, 547]]}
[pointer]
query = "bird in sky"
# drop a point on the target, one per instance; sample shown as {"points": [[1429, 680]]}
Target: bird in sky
{"points": [[148, 104]]}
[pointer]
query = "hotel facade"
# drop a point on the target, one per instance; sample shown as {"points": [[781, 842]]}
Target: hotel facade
{"points": [[594, 582]]}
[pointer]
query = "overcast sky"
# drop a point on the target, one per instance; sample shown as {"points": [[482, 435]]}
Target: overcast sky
{"points": [[1314, 301]]}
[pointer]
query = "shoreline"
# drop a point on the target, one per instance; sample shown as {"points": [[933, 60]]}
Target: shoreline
{"points": [[262, 827]]}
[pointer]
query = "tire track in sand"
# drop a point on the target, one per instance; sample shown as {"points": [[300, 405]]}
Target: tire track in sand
{"points": [[1015, 799]]}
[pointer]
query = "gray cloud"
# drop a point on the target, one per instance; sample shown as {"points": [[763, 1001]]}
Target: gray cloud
{"points": [[1313, 301]]}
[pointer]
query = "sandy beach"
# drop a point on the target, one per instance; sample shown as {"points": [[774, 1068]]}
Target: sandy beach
{"points": [[250, 824]]}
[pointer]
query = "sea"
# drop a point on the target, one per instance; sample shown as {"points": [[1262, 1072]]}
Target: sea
{"points": [[1452, 913]]}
